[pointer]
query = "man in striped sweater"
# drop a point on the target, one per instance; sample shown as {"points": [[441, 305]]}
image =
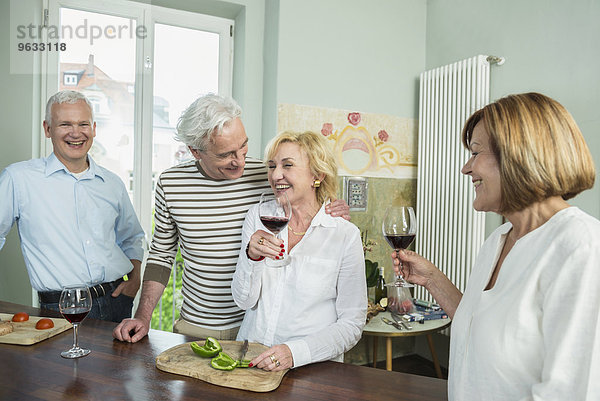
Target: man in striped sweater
{"points": [[200, 205]]}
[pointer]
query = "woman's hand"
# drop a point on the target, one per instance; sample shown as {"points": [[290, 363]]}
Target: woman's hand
{"points": [[418, 270], [415, 268], [263, 244], [276, 358]]}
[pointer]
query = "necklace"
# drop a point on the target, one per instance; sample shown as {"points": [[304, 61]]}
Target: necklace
{"points": [[301, 233]]}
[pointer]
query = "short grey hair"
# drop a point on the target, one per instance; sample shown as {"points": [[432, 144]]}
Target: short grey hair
{"points": [[207, 114], [67, 96]]}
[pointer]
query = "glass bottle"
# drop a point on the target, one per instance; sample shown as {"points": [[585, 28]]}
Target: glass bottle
{"points": [[380, 289]]}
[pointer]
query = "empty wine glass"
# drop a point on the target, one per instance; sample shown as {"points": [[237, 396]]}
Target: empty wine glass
{"points": [[75, 303], [275, 213], [399, 229]]}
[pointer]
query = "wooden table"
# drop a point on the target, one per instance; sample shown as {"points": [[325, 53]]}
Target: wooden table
{"points": [[377, 328], [122, 371]]}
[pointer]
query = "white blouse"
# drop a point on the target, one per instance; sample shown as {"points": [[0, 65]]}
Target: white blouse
{"points": [[317, 304], [536, 334]]}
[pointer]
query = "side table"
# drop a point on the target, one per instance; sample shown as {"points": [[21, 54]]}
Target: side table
{"points": [[377, 328]]}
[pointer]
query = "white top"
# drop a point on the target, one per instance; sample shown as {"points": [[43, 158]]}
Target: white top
{"points": [[536, 334], [317, 304]]}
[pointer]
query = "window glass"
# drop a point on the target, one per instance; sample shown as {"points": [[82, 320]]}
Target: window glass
{"points": [[103, 69], [179, 78]]}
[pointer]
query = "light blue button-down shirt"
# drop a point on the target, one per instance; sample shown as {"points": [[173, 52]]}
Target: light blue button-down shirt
{"points": [[72, 230]]}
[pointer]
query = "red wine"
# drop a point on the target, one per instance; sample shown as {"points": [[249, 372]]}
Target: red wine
{"points": [[74, 315], [274, 224], [400, 241]]}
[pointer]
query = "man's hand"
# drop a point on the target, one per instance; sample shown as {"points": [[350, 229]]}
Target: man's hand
{"points": [[132, 285], [129, 288], [338, 207], [131, 330]]}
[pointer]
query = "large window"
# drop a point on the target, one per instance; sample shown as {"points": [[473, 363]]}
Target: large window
{"points": [[140, 66], [179, 78]]}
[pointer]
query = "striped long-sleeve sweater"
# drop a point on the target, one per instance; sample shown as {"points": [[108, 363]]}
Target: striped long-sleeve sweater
{"points": [[205, 217]]}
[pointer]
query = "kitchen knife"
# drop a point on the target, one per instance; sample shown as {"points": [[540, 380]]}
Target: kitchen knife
{"points": [[243, 350], [388, 321], [399, 320]]}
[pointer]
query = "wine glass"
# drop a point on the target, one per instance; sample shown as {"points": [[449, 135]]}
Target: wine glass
{"points": [[75, 303], [399, 229], [275, 213]]}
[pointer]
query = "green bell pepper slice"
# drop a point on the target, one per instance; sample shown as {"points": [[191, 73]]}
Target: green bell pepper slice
{"points": [[223, 362], [243, 363], [210, 348]]}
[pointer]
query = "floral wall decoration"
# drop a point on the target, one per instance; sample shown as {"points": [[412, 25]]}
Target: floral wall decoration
{"points": [[365, 144]]}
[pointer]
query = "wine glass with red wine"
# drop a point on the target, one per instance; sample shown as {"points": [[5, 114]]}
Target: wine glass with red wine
{"points": [[275, 213], [399, 229], [74, 304]]}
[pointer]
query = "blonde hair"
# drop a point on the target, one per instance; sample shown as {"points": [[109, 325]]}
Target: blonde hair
{"points": [[320, 159], [540, 149]]}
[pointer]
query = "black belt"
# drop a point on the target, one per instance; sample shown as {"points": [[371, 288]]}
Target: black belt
{"points": [[97, 291]]}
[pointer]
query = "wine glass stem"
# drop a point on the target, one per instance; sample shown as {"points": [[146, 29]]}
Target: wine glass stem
{"points": [[75, 341], [400, 266]]}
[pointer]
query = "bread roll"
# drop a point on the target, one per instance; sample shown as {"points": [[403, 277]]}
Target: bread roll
{"points": [[5, 328]]}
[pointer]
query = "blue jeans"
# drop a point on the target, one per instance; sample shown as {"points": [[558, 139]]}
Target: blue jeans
{"points": [[104, 308]]}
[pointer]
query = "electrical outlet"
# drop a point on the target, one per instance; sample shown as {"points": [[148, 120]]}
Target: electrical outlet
{"points": [[355, 193]]}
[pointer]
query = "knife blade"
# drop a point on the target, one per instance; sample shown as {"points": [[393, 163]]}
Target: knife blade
{"points": [[396, 325], [243, 350], [399, 320], [390, 322]]}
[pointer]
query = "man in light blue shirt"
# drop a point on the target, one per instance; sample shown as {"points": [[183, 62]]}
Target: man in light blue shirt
{"points": [[75, 220]]}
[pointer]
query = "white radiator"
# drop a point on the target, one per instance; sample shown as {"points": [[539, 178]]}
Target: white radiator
{"points": [[450, 232]]}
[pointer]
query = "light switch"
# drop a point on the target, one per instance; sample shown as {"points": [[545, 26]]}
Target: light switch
{"points": [[355, 193]]}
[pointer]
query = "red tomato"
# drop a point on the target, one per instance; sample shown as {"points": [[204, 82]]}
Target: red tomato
{"points": [[20, 317], [44, 324]]}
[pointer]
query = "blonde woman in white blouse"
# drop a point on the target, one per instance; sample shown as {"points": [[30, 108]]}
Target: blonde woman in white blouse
{"points": [[528, 324], [313, 309]]}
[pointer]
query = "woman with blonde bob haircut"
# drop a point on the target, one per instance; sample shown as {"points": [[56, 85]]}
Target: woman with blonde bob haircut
{"points": [[314, 308], [541, 151], [527, 326]]}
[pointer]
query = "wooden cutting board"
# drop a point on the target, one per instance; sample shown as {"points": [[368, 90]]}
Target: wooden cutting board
{"points": [[25, 333], [182, 360]]}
